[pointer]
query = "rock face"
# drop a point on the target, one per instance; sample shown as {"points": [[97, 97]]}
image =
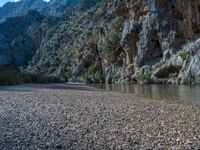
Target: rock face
{"points": [[135, 41], [190, 72], [154, 26], [168, 69]]}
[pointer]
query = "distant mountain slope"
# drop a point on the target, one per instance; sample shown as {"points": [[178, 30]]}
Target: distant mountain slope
{"points": [[22, 36], [19, 38], [56, 8], [12, 9]]}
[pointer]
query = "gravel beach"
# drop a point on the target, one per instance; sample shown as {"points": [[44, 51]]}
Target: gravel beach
{"points": [[75, 116]]}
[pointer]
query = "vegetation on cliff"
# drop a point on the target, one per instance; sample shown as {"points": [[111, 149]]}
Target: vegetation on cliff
{"points": [[106, 41]]}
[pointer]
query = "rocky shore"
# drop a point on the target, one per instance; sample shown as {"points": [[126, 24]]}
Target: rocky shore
{"points": [[73, 116]]}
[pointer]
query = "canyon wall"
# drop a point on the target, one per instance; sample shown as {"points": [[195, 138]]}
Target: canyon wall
{"points": [[155, 28], [120, 41]]}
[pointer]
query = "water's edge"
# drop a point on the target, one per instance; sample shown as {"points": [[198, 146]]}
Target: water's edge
{"points": [[184, 93]]}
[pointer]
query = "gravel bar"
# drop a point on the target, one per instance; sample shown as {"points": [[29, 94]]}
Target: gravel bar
{"points": [[75, 116]]}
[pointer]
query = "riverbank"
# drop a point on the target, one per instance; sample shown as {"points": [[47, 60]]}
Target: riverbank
{"points": [[75, 116], [12, 75]]}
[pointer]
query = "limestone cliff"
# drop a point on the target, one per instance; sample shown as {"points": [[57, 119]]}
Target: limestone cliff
{"points": [[153, 27], [136, 41]]}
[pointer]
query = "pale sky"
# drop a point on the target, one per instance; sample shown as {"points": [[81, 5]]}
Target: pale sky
{"points": [[2, 2]]}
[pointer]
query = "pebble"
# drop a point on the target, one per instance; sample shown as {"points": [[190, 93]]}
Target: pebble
{"points": [[61, 116]]}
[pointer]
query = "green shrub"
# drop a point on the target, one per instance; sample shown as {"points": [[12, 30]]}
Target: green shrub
{"points": [[92, 73], [51, 70], [9, 75], [98, 75], [118, 23], [77, 32], [143, 77], [89, 72], [26, 78], [68, 73], [37, 78], [183, 55], [94, 38]]}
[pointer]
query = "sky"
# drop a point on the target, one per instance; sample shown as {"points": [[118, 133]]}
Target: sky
{"points": [[2, 2]]}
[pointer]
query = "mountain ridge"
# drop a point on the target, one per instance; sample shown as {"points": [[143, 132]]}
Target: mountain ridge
{"points": [[56, 8]]}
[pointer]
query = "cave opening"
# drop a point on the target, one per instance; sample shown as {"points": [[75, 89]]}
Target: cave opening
{"points": [[168, 72], [172, 7], [155, 48], [130, 44]]}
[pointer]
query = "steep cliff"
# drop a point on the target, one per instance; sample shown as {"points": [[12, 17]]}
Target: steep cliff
{"points": [[136, 41], [158, 26], [154, 27]]}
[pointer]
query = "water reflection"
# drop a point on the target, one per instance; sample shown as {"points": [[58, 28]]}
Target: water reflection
{"points": [[188, 94]]}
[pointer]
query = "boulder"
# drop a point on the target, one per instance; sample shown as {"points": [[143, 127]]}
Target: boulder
{"points": [[169, 70], [191, 74]]}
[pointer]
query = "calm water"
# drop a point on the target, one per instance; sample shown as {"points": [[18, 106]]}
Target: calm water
{"points": [[187, 94]]}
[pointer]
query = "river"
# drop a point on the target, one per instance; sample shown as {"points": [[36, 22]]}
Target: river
{"points": [[181, 93]]}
